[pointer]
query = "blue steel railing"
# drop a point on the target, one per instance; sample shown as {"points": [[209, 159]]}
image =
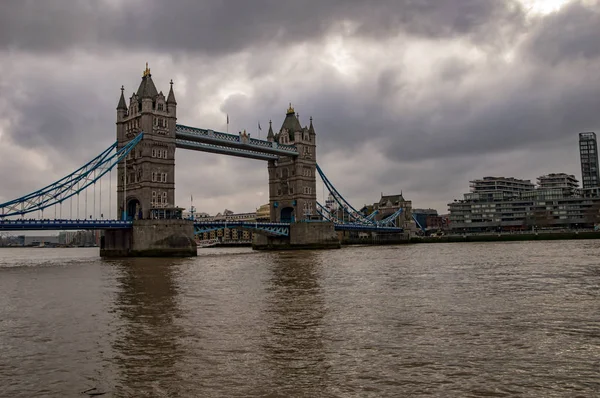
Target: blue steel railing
{"points": [[367, 228], [32, 225], [269, 228]]}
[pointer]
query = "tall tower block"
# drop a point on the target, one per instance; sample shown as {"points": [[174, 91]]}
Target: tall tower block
{"points": [[292, 180], [146, 181], [588, 152]]}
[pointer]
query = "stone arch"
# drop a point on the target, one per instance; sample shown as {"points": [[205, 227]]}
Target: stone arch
{"points": [[287, 214], [134, 209]]}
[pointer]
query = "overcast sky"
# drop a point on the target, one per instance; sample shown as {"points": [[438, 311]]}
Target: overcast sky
{"points": [[412, 96]]}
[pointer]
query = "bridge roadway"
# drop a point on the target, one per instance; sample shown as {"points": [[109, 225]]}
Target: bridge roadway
{"points": [[269, 228]]}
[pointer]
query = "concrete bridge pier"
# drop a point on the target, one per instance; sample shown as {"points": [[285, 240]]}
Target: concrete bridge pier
{"points": [[151, 238], [303, 235]]}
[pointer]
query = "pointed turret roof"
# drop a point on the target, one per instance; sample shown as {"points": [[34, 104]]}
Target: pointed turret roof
{"points": [[171, 97], [122, 104], [311, 129], [147, 89], [270, 135], [291, 121]]}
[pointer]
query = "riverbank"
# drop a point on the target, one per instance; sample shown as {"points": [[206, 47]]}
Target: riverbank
{"points": [[507, 237]]}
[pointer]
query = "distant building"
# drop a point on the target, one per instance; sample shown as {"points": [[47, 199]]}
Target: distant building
{"points": [[498, 203], [40, 240], [263, 213], [331, 204], [228, 234], [389, 204], [588, 152], [422, 216], [79, 238], [188, 215], [498, 188], [565, 182]]}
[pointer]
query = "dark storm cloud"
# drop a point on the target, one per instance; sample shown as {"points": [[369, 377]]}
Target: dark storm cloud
{"points": [[222, 26], [532, 110], [425, 133], [65, 115], [569, 35]]}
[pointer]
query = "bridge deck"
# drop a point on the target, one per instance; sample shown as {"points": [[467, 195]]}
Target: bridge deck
{"points": [[61, 225], [201, 226]]}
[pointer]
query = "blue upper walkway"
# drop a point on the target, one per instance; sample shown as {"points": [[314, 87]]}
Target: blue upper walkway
{"points": [[240, 145]]}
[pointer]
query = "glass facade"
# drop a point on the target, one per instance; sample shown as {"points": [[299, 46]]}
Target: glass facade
{"points": [[588, 152]]}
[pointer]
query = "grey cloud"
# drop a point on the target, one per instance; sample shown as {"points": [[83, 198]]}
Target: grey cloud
{"points": [[568, 35], [464, 114], [68, 117], [223, 26]]}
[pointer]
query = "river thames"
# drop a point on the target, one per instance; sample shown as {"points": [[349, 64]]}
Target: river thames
{"points": [[442, 320]]}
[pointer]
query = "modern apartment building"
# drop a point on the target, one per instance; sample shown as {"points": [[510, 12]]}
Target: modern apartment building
{"points": [[567, 183], [588, 152], [498, 203]]}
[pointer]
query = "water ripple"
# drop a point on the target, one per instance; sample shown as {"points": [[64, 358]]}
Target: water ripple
{"points": [[443, 320]]}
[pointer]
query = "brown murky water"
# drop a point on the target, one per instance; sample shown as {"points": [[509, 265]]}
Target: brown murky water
{"points": [[446, 320]]}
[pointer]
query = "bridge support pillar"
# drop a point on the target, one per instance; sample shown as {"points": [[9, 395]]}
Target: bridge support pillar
{"points": [[303, 236], [151, 238]]}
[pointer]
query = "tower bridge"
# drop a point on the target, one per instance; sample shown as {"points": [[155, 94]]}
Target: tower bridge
{"points": [[149, 222]]}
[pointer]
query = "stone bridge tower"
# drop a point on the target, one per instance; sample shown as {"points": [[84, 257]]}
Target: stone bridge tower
{"points": [[292, 181], [149, 181]]}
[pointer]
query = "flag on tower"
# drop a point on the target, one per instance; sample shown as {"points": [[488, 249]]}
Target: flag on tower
{"points": [[259, 126]]}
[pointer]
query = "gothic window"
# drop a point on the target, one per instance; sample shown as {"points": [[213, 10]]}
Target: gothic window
{"points": [[164, 154], [160, 107], [163, 177], [159, 154], [153, 176], [153, 152]]}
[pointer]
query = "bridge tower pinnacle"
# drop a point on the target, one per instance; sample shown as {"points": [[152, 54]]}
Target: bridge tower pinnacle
{"points": [[149, 181], [292, 181]]}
